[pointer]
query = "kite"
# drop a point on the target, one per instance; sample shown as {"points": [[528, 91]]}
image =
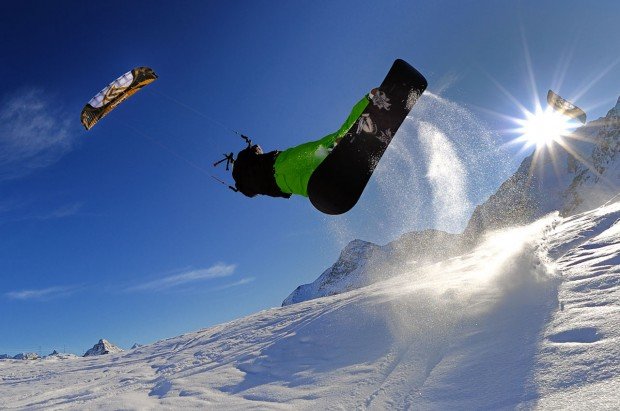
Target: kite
{"points": [[565, 107], [115, 93]]}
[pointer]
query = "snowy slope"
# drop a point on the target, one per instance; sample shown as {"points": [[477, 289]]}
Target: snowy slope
{"points": [[579, 358], [528, 318]]}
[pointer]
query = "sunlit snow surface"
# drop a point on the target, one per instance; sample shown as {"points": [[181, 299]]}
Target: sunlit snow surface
{"points": [[528, 319]]}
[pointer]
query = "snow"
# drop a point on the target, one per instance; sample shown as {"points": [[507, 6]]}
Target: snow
{"points": [[526, 319]]}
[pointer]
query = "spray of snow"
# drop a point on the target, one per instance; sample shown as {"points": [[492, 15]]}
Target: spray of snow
{"points": [[507, 265], [452, 319], [414, 178], [447, 177]]}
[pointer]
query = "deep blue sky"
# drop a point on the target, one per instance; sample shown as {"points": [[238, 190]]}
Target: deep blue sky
{"points": [[120, 233]]}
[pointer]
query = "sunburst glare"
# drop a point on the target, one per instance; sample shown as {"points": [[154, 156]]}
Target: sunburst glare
{"points": [[543, 127]]}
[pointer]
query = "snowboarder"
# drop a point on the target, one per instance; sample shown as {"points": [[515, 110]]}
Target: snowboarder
{"points": [[333, 171], [283, 173]]}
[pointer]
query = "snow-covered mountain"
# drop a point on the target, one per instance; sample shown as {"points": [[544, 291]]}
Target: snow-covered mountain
{"points": [[362, 263], [351, 270], [526, 319], [569, 182], [27, 356], [103, 347], [56, 356]]}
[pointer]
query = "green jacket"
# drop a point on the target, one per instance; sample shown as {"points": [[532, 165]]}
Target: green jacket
{"points": [[293, 167]]}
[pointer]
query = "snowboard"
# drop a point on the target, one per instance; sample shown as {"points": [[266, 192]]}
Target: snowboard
{"points": [[338, 182]]}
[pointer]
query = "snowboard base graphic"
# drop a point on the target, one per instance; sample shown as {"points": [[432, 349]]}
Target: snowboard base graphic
{"points": [[337, 184]]}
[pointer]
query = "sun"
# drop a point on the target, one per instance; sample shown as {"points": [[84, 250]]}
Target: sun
{"points": [[543, 127]]}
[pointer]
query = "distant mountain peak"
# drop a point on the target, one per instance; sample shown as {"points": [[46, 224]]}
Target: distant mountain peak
{"points": [[103, 347], [27, 356], [354, 258], [362, 263], [614, 112], [55, 355]]}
